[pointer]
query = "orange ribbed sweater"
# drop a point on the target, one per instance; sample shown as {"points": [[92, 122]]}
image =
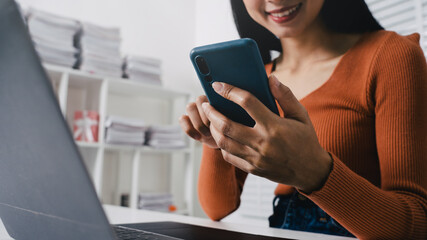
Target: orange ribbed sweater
{"points": [[371, 115]]}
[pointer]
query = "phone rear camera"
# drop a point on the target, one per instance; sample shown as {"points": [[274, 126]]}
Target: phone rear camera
{"points": [[202, 65]]}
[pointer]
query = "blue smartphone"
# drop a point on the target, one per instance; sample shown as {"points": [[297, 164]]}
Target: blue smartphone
{"points": [[238, 63]]}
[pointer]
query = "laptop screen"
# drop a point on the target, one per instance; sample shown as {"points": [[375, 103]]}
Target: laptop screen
{"points": [[45, 190]]}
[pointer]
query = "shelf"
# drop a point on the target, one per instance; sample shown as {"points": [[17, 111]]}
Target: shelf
{"points": [[144, 149], [78, 90], [71, 71], [87, 144], [127, 87], [120, 86]]}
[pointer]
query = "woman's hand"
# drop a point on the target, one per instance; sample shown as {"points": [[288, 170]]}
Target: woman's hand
{"points": [[196, 124], [284, 150]]}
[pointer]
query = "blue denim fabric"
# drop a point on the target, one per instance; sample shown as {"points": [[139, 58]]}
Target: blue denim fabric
{"points": [[296, 212]]}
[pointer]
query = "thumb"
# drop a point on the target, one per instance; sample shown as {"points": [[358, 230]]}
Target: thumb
{"points": [[287, 100]]}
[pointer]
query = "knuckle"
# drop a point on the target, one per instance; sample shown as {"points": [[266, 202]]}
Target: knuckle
{"points": [[252, 170], [227, 92], [187, 131], [266, 147], [259, 164], [225, 126], [182, 122], [222, 142], [274, 133], [264, 151], [246, 100], [226, 156], [190, 106], [207, 112], [185, 126], [200, 99], [286, 90]]}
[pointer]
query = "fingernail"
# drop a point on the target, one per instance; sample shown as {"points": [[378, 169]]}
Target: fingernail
{"points": [[218, 86], [276, 81], [205, 106]]}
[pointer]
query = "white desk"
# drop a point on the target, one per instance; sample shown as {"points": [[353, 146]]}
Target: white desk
{"points": [[121, 215]]}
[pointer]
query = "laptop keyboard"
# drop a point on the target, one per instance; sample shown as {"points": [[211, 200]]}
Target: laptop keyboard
{"points": [[124, 233]]}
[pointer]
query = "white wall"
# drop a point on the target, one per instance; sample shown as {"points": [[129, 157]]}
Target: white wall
{"points": [[162, 29], [214, 22]]}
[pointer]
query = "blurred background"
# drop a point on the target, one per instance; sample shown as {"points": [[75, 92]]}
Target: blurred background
{"points": [[122, 75]]}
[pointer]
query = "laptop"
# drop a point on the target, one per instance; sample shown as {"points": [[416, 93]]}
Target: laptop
{"points": [[45, 189]]}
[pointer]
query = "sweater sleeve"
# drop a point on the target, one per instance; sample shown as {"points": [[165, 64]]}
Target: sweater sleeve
{"points": [[220, 184], [398, 208]]}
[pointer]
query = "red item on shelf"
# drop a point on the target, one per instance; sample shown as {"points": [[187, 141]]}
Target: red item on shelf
{"points": [[172, 208], [86, 126]]}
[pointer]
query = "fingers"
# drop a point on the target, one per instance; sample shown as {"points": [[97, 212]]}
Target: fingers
{"points": [[199, 101], [231, 145], [196, 119], [287, 100], [238, 162], [235, 153], [236, 131], [188, 128], [246, 100]]}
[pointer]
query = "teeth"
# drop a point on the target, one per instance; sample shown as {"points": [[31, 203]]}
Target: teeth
{"points": [[285, 13]]}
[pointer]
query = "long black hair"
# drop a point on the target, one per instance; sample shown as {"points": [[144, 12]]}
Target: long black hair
{"points": [[341, 16]]}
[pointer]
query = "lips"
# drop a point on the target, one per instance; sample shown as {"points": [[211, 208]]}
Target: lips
{"points": [[284, 14]]}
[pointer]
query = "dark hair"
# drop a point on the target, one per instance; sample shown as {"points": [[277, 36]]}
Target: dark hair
{"points": [[341, 16]]}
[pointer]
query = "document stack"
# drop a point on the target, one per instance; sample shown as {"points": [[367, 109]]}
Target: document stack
{"points": [[53, 37], [169, 137], [161, 202], [143, 69], [126, 131], [100, 50]]}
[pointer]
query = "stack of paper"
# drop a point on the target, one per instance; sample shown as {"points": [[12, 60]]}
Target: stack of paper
{"points": [[155, 201], [127, 131], [165, 137], [142, 69], [100, 50], [53, 37]]}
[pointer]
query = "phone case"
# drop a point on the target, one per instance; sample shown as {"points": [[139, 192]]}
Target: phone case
{"points": [[238, 63]]}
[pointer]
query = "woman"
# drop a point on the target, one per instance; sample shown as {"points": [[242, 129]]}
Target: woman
{"points": [[349, 150]]}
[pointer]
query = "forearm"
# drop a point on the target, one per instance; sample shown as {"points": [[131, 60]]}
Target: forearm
{"points": [[370, 212], [219, 186]]}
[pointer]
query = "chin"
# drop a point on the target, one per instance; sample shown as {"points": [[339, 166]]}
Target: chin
{"points": [[288, 33]]}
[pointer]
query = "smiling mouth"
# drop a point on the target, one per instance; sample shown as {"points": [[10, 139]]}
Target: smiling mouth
{"points": [[284, 14]]}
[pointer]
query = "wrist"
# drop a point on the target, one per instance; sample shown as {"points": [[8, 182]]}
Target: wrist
{"points": [[320, 173]]}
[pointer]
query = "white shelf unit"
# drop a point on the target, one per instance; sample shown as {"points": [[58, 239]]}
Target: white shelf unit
{"points": [[125, 169]]}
